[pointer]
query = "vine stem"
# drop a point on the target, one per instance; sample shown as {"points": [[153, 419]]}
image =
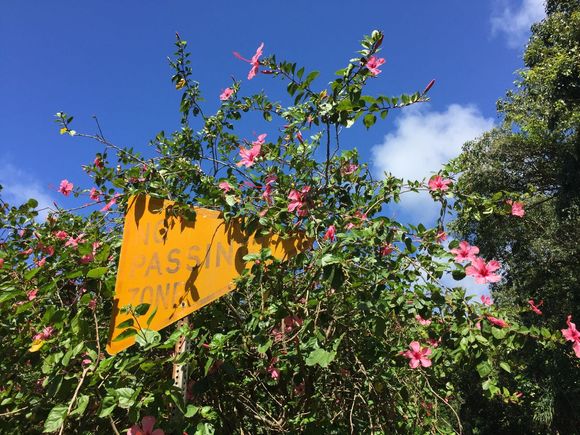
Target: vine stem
{"points": [[74, 398], [445, 402], [16, 411]]}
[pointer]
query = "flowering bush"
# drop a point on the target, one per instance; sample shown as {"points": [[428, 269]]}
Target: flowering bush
{"points": [[314, 343]]}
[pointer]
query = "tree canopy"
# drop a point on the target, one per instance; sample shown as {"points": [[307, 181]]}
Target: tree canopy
{"points": [[536, 152]]}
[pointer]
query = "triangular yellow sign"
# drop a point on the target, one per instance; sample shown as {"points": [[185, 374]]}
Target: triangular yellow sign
{"points": [[178, 266]]}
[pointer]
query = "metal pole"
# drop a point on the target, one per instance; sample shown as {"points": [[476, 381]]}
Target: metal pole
{"points": [[180, 370]]}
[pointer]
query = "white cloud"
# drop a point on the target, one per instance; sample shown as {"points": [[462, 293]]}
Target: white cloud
{"points": [[20, 186], [422, 142], [515, 22]]}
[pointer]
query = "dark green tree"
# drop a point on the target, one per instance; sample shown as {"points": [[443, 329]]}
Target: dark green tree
{"points": [[536, 152]]}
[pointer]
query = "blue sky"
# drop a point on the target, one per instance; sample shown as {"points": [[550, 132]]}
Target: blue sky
{"points": [[108, 58]]}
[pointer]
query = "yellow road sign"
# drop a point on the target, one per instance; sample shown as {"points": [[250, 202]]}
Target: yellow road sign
{"points": [[178, 266]]}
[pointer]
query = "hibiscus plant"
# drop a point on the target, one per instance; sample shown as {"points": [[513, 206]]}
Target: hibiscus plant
{"points": [[367, 330]]}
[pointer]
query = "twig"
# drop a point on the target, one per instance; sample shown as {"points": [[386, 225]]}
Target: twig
{"points": [[16, 411], [445, 402], [113, 426], [351, 411], [97, 333], [74, 398]]}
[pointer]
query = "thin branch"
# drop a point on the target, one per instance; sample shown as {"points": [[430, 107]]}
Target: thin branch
{"points": [[16, 411], [445, 402], [74, 398], [113, 426]]}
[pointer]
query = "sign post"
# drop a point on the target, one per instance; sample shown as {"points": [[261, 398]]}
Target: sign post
{"points": [[180, 370]]}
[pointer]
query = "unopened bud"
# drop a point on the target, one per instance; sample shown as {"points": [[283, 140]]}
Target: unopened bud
{"points": [[429, 86]]}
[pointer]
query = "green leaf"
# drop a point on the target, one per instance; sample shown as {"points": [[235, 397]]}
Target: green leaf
{"points": [[55, 418], [482, 339], [147, 337], [320, 357], [483, 369], [329, 259], [142, 309], [82, 403], [31, 273], [458, 274], [546, 333], [191, 411], [150, 319], [127, 323], [311, 77], [125, 334], [498, 333], [97, 272], [505, 366], [251, 257], [263, 348], [108, 405], [409, 244], [231, 200], [369, 120], [125, 397]]}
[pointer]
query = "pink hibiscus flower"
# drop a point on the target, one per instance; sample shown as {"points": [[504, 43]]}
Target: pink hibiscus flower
{"points": [[497, 322], [86, 259], [373, 65], [422, 321], [74, 242], [61, 235], [225, 186], [348, 169], [486, 300], [45, 334], [146, 428], [254, 61], [109, 204], [249, 155], [482, 271], [433, 342], [92, 304], [260, 140], [274, 372], [298, 202], [441, 236], [536, 308], [330, 233], [438, 183], [31, 294], [299, 137], [267, 194], [48, 250], [517, 208], [65, 187], [573, 335], [290, 323], [465, 252], [94, 194], [226, 94], [1, 263], [387, 249], [417, 355]]}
